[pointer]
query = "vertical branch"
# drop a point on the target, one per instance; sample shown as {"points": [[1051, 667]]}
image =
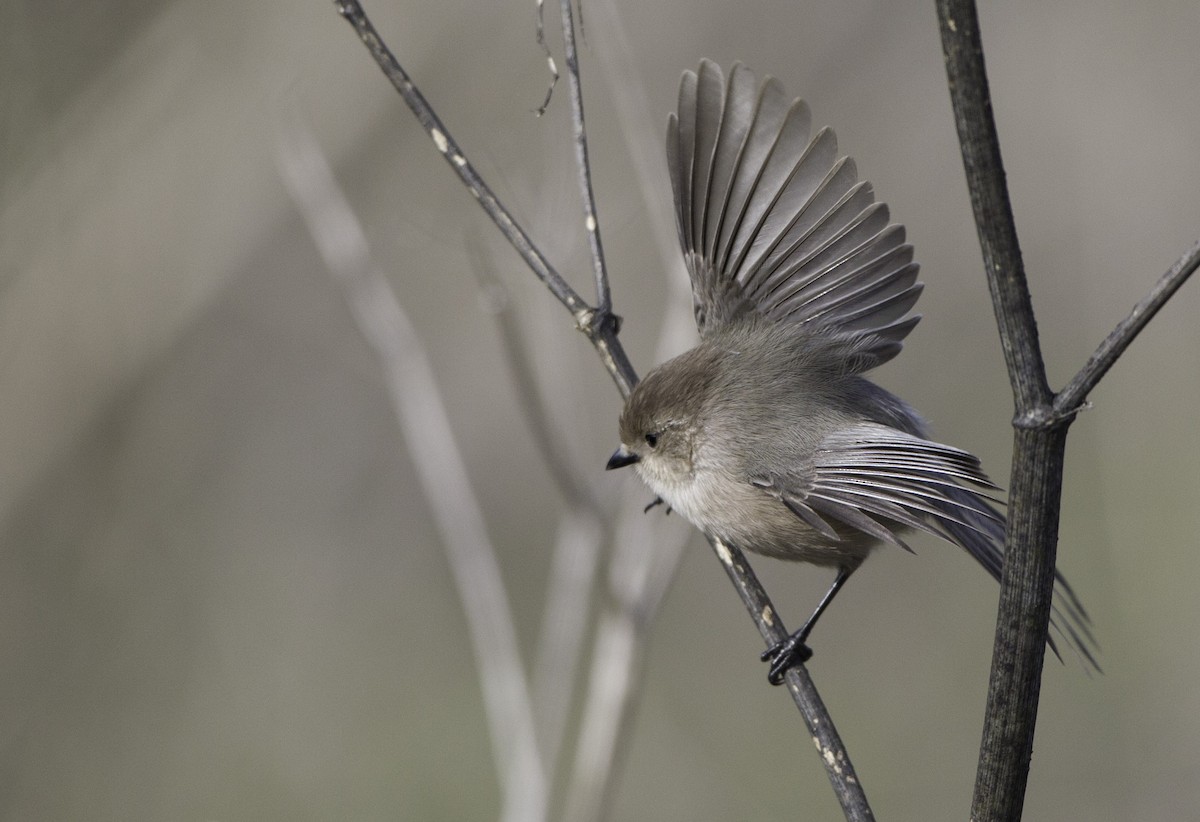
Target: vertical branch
{"points": [[583, 166], [1027, 582], [967, 76], [1021, 624], [1042, 420]]}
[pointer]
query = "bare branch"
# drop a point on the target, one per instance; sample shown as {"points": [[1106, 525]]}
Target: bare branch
{"points": [[590, 223], [1076, 391], [1027, 580], [440, 468], [994, 221], [845, 782]]}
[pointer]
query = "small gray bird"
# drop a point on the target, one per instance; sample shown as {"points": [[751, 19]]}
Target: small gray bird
{"points": [[766, 435]]}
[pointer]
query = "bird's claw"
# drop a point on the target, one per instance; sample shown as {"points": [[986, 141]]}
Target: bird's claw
{"points": [[784, 655]]}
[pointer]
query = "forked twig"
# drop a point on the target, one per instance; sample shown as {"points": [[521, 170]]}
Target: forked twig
{"points": [[600, 326]]}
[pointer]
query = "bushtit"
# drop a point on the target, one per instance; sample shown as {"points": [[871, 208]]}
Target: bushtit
{"points": [[766, 435]]}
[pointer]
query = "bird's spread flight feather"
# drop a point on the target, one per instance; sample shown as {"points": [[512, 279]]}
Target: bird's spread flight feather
{"points": [[772, 221]]}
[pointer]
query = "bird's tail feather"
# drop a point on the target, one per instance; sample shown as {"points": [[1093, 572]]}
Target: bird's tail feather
{"points": [[983, 538]]}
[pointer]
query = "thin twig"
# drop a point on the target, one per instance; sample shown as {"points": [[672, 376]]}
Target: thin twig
{"points": [[448, 148], [440, 468], [842, 777], [1076, 391], [563, 634], [550, 64], [582, 165], [641, 126]]}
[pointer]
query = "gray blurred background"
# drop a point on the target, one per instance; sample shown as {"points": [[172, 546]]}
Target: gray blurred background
{"points": [[221, 595]]}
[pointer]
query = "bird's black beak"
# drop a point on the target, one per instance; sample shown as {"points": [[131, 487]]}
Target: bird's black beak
{"points": [[620, 458]]}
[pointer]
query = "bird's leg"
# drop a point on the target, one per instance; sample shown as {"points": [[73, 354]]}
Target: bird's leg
{"points": [[792, 651]]}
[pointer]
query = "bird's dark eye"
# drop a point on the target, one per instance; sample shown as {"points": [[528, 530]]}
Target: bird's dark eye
{"points": [[652, 439]]}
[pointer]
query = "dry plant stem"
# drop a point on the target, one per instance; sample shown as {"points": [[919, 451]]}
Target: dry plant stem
{"points": [[600, 326], [440, 468], [563, 634], [1041, 421], [590, 223]]}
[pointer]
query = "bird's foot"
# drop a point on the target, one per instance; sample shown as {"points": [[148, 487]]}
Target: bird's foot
{"points": [[784, 655], [656, 501]]}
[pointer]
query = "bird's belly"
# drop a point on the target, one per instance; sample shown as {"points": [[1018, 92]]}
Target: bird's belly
{"points": [[754, 520]]}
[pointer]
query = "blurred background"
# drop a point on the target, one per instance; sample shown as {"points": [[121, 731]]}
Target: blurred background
{"points": [[221, 592]]}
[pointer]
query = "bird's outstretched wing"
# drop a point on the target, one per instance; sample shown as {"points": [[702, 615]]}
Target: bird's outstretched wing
{"points": [[773, 221], [878, 480]]}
